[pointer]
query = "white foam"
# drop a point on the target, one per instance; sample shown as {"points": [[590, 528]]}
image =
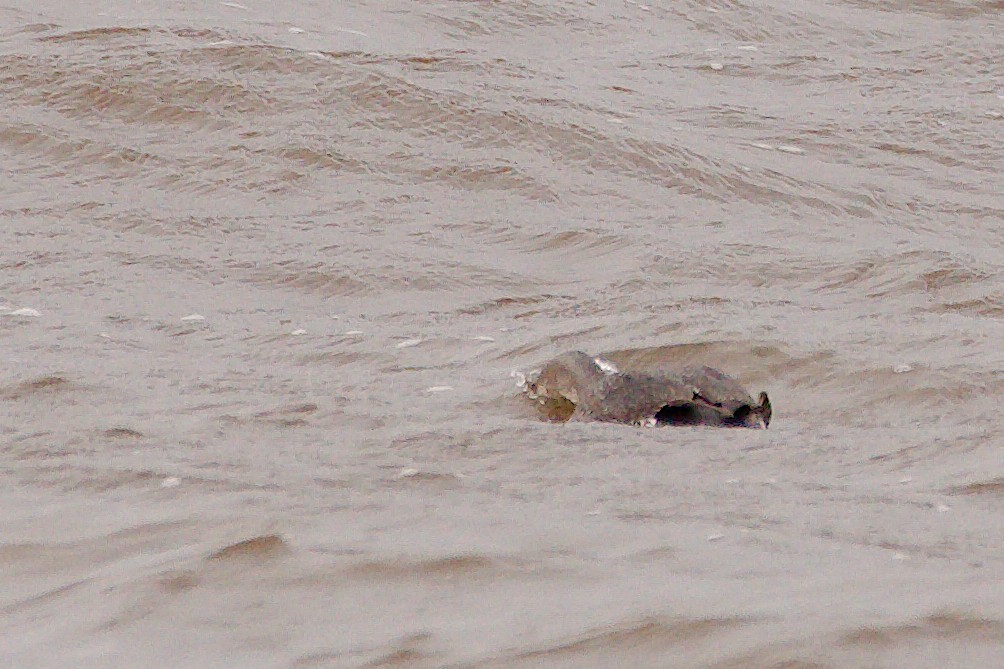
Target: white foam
{"points": [[351, 32], [408, 343], [606, 366], [786, 148], [439, 389], [193, 318]]}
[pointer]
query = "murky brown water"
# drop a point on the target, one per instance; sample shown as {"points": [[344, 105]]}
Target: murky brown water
{"points": [[284, 257]]}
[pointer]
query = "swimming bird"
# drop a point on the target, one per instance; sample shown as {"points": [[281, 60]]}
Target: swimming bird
{"points": [[576, 385]]}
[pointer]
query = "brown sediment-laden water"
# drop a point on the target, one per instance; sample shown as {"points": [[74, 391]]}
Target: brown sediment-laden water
{"points": [[266, 269]]}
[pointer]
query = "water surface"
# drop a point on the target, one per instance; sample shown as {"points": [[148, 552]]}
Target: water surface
{"points": [[280, 259]]}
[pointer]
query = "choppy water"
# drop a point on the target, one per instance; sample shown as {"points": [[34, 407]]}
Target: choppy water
{"points": [[380, 210]]}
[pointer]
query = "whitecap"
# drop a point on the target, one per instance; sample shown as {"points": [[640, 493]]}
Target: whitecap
{"points": [[606, 366]]}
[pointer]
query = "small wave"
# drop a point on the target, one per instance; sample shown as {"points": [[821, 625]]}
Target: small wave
{"points": [[34, 387], [454, 566], [514, 302], [635, 639], [489, 177], [122, 433], [256, 548], [947, 9], [290, 416], [993, 487], [943, 626]]}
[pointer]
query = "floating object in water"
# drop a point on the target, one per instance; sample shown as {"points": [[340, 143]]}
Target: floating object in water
{"points": [[577, 385], [26, 312], [193, 318]]}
